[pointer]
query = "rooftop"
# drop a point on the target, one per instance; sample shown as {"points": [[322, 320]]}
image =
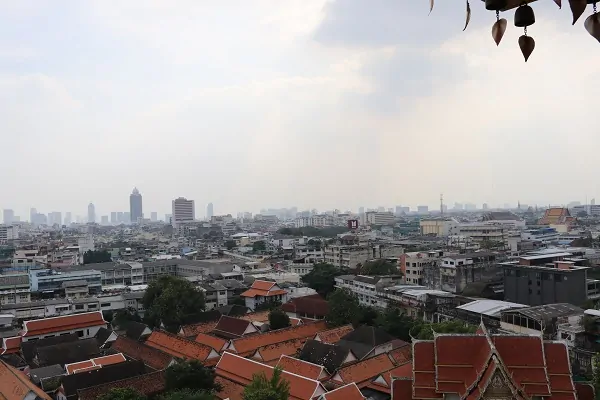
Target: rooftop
{"points": [[549, 311], [490, 308]]}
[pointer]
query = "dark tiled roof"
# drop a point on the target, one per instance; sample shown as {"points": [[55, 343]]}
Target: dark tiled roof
{"points": [[311, 305], [328, 355], [150, 356], [234, 310], [147, 384], [67, 353], [30, 347], [230, 327], [363, 339], [102, 335], [110, 373], [134, 329]]}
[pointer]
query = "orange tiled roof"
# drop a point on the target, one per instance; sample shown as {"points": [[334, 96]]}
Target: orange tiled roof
{"points": [[195, 329], [241, 371], [251, 343], [348, 392], [332, 336], [63, 323], [295, 321], [401, 355], [364, 371], [274, 351], [259, 316], [11, 345], [98, 362], [229, 389], [150, 356], [179, 347], [383, 382], [264, 293], [216, 343], [262, 285], [302, 368], [147, 384], [15, 385]]}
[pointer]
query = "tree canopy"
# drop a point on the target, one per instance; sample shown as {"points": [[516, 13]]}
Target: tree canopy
{"points": [[96, 256], [344, 308], [311, 231], [230, 244], [322, 278], [122, 394], [379, 267], [278, 319], [187, 394], [262, 388], [172, 301], [259, 246], [424, 330], [191, 375]]}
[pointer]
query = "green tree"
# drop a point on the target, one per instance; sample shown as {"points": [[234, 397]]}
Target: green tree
{"points": [[278, 319], [96, 256], [344, 308], [230, 244], [322, 278], [259, 246], [187, 394], [379, 267], [367, 315], [396, 323], [268, 305], [122, 394], [596, 372], [172, 301], [262, 388], [424, 331], [191, 375]]}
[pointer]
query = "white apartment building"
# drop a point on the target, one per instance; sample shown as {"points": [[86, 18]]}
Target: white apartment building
{"points": [[368, 289], [315, 220], [439, 227], [8, 232], [414, 263], [349, 256], [380, 218], [484, 231], [14, 289], [183, 210]]}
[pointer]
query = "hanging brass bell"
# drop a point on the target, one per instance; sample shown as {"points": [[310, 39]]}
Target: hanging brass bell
{"points": [[524, 16], [495, 5]]}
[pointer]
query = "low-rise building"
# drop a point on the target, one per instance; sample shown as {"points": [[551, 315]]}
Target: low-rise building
{"points": [[414, 263], [85, 325], [350, 256], [14, 289], [454, 272], [263, 291], [370, 290], [50, 281]]}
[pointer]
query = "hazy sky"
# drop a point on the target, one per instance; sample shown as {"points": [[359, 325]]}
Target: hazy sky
{"points": [[309, 103]]}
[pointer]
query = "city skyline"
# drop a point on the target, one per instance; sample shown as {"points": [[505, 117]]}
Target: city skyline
{"points": [[287, 98]]}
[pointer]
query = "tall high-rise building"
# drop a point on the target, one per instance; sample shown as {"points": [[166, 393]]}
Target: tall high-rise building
{"points": [[135, 206], [32, 212], [209, 211], [104, 220], [113, 218], [153, 216], [183, 210], [55, 218], [91, 213], [68, 219], [8, 216]]}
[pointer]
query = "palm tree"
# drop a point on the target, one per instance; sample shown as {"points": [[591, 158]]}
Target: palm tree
{"points": [[262, 388]]}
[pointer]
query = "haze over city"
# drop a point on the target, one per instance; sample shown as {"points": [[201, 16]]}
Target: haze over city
{"points": [[315, 104]]}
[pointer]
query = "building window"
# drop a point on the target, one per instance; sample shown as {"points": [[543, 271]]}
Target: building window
{"points": [[104, 305], [79, 306], [80, 333]]}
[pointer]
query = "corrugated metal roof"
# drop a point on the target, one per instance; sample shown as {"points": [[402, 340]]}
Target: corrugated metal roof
{"points": [[491, 308]]}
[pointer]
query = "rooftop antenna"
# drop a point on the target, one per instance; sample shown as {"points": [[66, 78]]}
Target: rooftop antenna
{"points": [[442, 204]]}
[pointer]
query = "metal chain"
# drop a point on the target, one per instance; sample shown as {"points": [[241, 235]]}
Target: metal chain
{"points": [[594, 7], [525, 31], [498, 13]]}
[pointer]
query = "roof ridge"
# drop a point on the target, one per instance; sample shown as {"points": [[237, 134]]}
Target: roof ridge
{"points": [[174, 336]]}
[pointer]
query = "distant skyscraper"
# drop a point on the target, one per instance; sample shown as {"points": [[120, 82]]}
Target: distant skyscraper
{"points": [[55, 218], [104, 220], [153, 216], [8, 216], [361, 210], [168, 218], [120, 218], [91, 213], [68, 219], [113, 218], [183, 210], [135, 206], [485, 206], [32, 213], [209, 211]]}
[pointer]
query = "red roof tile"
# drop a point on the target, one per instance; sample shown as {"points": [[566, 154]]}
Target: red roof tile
{"points": [[302, 368], [63, 323], [364, 371], [264, 293], [559, 370], [150, 356], [195, 329], [241, 371], [262, 285], [94, 362], [11, 345], [179, 347], [402, 389], [401, 355], [348, 392], [332, 336], [252, 343], [229, 389], [216, 343], [274, 351], [148, 385], [15, 385], [585, 391], [313, 305]]}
